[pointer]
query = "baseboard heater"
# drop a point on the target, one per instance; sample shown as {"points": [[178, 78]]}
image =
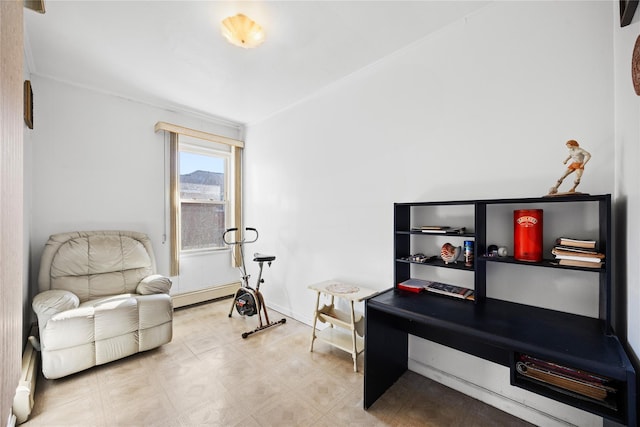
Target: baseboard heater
{"points": [[23, 400], [203, 295]]}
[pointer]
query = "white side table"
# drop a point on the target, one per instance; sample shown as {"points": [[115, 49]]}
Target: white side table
{"points": [[347, 330]]}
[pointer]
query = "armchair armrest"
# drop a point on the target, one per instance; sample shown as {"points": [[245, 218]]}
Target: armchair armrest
{"points": [[154, 284], [49, 303]]}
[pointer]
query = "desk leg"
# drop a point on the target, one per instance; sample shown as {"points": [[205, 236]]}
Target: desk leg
{"points": [[632, 400], [315, 320], [385, 355]]}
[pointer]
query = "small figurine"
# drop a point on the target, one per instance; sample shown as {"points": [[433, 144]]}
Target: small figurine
{"points": [[450, 253], [579, 157]]}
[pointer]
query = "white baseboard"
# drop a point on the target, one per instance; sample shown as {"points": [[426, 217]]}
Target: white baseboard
{"points": [[202, 295], [23, 400], [305, 318]]}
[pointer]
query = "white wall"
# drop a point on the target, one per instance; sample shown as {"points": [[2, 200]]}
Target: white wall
{"points": [[98, 164], [481, 109], [627, 191]]}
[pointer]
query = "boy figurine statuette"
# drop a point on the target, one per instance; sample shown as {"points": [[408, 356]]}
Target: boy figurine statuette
{"points": [[579, 158]]}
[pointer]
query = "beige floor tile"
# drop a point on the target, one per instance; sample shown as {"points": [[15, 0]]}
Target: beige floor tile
{"points": [[323, 391], [234, 413], [81, 412], [53, 393], [286, 409], [167, 358], [294, 371], [349, 412], [220, 358]]}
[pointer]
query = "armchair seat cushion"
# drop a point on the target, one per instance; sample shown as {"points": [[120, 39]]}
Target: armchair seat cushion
{"points": [[101, 300]]}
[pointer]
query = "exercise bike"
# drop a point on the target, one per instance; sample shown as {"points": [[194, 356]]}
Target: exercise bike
{"points": [[249, 301]]}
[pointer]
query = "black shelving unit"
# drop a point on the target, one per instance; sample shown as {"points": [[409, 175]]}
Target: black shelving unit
{"points": [[496, 330]]}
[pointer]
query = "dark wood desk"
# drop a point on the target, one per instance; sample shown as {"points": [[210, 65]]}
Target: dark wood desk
{"points": [[497, 331]]}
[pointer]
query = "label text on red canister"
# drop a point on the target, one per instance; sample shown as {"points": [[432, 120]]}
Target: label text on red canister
{"points": [[527, 221]]}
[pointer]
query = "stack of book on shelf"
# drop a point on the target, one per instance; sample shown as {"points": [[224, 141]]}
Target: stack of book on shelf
{"points": [[419, 285], [566, 379], [578, 253], [439, 229]]}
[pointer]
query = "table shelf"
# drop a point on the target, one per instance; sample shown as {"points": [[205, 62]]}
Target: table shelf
{"points": [[340, 318], [341, 339], [346, 327]]}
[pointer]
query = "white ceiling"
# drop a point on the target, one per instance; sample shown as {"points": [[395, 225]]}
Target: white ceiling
{"points": [[171, 53]]}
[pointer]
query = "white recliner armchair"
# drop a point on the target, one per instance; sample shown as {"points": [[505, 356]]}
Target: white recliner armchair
{"points": [[100, 300]]}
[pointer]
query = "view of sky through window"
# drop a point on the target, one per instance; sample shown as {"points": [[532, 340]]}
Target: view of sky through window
{"points": [[190, 162]]}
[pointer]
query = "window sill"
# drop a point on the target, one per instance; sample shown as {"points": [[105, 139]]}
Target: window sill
{"points": [[203, 252]]}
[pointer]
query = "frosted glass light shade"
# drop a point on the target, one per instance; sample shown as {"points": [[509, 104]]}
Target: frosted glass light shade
{"points": [[242, 31]]}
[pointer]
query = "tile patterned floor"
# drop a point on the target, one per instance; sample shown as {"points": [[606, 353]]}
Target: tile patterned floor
{"points": [[209, 376]]}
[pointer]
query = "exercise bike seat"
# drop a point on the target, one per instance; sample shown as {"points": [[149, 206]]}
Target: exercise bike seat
{"points": [[258, 257]]}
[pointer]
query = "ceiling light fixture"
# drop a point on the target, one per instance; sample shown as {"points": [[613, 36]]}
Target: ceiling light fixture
{"points": [[242, 31]]}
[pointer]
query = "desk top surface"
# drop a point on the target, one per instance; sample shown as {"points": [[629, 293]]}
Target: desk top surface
{"points": [[532, 330], [344, 290]]}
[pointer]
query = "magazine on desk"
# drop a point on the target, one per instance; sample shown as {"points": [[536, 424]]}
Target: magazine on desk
{"points": [[449, 290], [419, 285], [413, 285], [439, 229]]}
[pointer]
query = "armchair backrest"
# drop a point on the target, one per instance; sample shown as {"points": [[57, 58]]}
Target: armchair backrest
{"points": [[93, 264]]}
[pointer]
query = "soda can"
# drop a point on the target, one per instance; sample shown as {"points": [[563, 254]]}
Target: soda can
{"points": [[468, 253]]}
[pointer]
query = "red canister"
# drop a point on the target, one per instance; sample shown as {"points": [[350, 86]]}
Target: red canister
{"points": [[527, 235]]}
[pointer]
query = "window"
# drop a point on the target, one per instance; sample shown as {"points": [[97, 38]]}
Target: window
{"points": [[204, 195]]}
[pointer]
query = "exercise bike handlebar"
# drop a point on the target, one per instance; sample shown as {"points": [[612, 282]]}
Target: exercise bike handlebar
{"points": [[241, 241]]}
